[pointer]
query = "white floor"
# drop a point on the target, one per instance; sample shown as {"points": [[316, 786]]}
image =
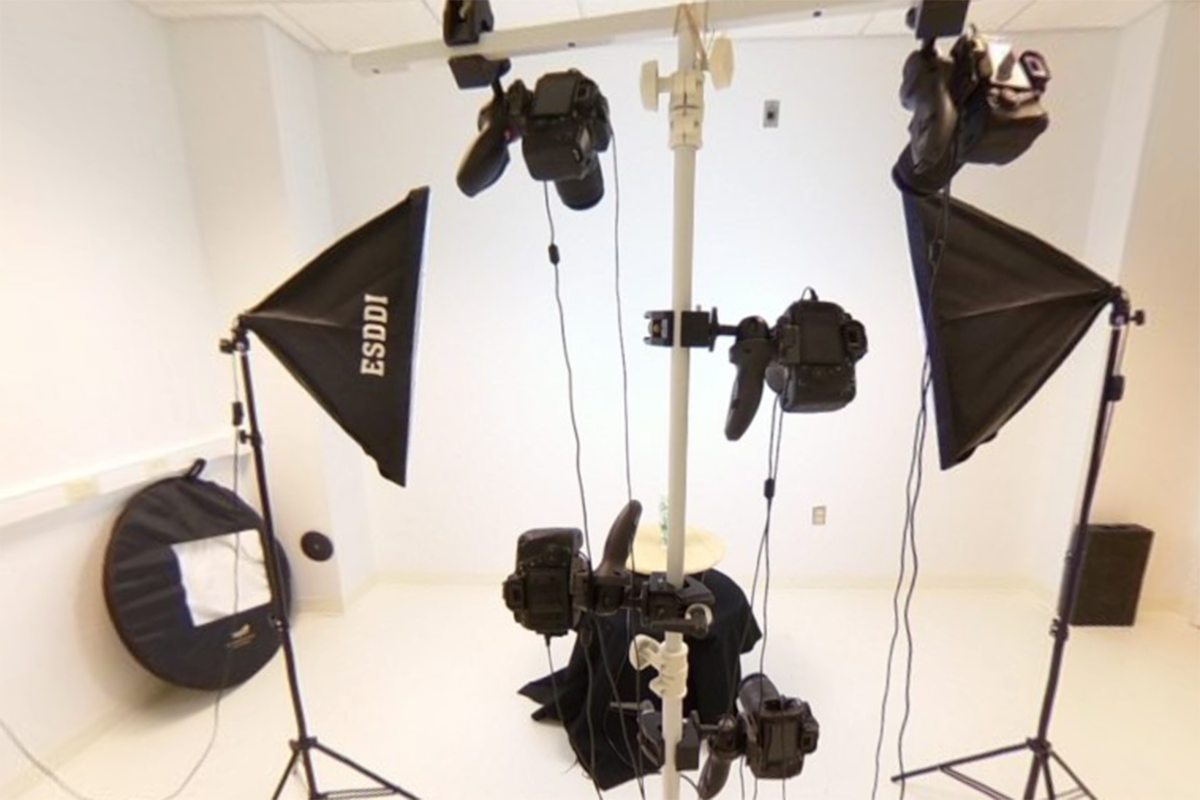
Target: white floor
{"points": [[418, 683]]}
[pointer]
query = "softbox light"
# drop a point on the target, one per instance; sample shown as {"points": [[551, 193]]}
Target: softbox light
{"points": [[1002, 313], [345, 327]]}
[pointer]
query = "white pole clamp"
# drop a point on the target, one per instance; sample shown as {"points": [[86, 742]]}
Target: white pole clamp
{"points": [[686, 88], [671, 663]]}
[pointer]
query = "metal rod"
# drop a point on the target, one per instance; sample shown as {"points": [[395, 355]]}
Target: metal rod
{"points": [[681, 300], [943, 766], [975, 784], [634, 26], [304, 743], [274, 575], [1080, 787], [388, 786], [1039, 746]]}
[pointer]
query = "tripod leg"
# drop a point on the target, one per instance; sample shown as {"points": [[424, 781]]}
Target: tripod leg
{"points": [[291, 764], [1050, 793], [384, 782], [1074, 777], [959, 761], [975, 784]]}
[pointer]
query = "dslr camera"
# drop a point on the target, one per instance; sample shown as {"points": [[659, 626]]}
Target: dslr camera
{"points": [[554, 585], [982, 105], [774, 733], [564, 125], [808, 359]]}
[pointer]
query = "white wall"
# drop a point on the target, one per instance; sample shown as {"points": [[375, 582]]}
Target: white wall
{"points": [[154, 184], [107, 343], [1128, 93], [252, 131], [1152, 471], [808, 204]]}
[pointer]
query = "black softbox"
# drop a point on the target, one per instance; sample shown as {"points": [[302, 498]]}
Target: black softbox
{"points": [[345, 327], [1002, 313]]}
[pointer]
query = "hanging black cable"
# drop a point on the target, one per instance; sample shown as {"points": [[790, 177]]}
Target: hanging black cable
{"points": [[45, 770], [620, 318], [562, 327], [555, 258], [914, 497], [908, 543], [67, 788], [639, 769]]}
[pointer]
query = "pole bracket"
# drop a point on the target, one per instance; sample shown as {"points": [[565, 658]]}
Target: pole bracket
{"points": [[671, 663]]}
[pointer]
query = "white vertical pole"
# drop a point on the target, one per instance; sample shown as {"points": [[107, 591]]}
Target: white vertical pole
{"points": [[684, 147]]}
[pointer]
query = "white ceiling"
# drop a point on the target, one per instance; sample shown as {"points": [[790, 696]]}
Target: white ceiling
{"points": [[340, 26]]}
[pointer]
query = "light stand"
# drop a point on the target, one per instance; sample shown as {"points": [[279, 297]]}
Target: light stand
{"points": [[304, 744], [1039, 745], [686, 91]]}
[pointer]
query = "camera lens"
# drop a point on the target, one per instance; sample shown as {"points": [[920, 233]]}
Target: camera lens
{"points": [[582, 193]]}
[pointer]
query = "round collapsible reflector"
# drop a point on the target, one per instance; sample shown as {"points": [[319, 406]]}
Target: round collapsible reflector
{"points": [[186, 584]]}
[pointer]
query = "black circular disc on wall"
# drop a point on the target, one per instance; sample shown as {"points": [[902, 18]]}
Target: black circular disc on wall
{"points": [[186, 587]]}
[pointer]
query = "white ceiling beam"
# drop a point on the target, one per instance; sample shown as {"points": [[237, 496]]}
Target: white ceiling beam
{"points": [[635, 26]]}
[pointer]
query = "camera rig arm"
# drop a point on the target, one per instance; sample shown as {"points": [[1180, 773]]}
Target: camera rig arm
{"points": [[773, 733], [807, 358], [554, 586], [751, 353]]}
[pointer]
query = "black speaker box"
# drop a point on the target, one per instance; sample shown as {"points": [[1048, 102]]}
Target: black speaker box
{"points": [[1114, 563]]}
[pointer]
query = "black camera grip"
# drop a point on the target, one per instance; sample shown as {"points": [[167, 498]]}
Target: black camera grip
{"points": [[724, 748], [925, 90], [713, 777], [620, 539], [487, 158], [751, 358], [755, 692]]}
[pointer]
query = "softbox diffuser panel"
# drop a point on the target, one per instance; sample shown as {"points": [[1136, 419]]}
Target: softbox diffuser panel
{"points": [[345, 327], [1003, 312]]}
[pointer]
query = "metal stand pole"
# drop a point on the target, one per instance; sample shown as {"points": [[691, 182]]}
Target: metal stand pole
{"points": [[1039, 745], [681, 300], [686, 90], [304, 744]]}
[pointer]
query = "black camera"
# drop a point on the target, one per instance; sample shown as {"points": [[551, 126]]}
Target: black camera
{"points": [[807, 359], [982, 105], [554, 584], [565, 125], [774, 733], [566, 129], [541, 593]]}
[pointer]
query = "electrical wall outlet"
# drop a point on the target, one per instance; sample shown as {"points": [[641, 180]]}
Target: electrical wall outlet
{"points": [[818, 515], [771, 114]]}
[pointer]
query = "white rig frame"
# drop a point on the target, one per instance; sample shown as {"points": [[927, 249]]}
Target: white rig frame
{"points": [[686, 90]]}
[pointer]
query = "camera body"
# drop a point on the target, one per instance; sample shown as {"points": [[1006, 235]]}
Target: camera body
{"points": [[773, 733], [981, 105], [541, 592], [554, 584], [566, 128], [807, 359], [564, 124], [780, 731], [816, 347]]}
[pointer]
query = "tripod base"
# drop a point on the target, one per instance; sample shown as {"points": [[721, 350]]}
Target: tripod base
{"points": [[1039, 772], [302, 755]]}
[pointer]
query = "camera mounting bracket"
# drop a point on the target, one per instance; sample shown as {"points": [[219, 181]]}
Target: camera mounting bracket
{"points": [[477, 72], [667, 609], [696, 328], [650, 737]]}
